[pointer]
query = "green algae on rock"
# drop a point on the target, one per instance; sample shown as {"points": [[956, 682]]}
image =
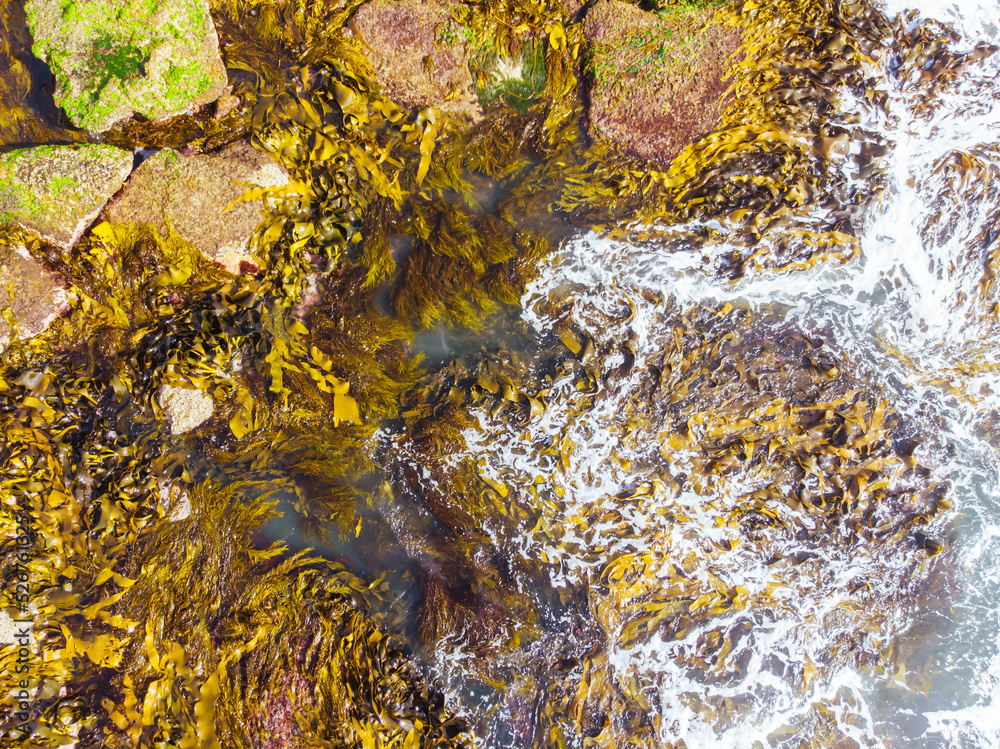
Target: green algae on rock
{"points": [[57, 191], [30, 296], [198, 196], [113, 58]]}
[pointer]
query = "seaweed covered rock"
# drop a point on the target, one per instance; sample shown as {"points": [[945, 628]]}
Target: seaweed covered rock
{"points": [[57, 191], [114, 58], [29, 295], [418, 55], [190, 193], [656, 80]]}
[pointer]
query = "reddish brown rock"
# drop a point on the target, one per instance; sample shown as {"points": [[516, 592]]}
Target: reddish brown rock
{"points": [[38, 298], [418, 54], [192, 193], [656, 81]]}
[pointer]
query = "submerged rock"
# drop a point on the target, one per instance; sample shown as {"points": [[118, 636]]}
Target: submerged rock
{"points": [[191, 193], [114, 58], [175, 502], [656, 80], [29, 294], [418, 54], [519, 80], [57, 191], [185, 408]]}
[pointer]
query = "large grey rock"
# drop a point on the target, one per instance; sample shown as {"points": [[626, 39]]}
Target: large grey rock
{"points": [[38, 298], [656, 82], [192, 191], [113, 58], [57, 191]]}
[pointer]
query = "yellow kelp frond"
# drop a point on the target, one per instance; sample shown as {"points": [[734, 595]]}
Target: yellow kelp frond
{"points": [[771, 153], [89, 460], [259, 35], [205, 641], [80, 486], [339, 147], [364, 170], [136, 270], [372, 352], [505, 26], [373, 181]]}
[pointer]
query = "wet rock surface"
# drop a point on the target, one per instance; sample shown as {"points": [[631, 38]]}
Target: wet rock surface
{"points": [[418, 54], [38, 296], [57, 191], [191, 193], [114, 58], [656, 81]]}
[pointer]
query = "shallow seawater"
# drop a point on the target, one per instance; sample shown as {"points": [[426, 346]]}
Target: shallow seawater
{"points": [[914, 316]]}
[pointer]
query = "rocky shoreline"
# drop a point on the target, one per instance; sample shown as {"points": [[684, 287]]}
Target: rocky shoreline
{"points": [[654, 82], [279, 439]]}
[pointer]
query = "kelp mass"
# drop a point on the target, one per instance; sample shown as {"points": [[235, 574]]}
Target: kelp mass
{"points": [[164, 616]]}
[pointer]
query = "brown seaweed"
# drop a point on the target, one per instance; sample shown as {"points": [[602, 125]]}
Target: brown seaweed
{"points": [[159, 630]]}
